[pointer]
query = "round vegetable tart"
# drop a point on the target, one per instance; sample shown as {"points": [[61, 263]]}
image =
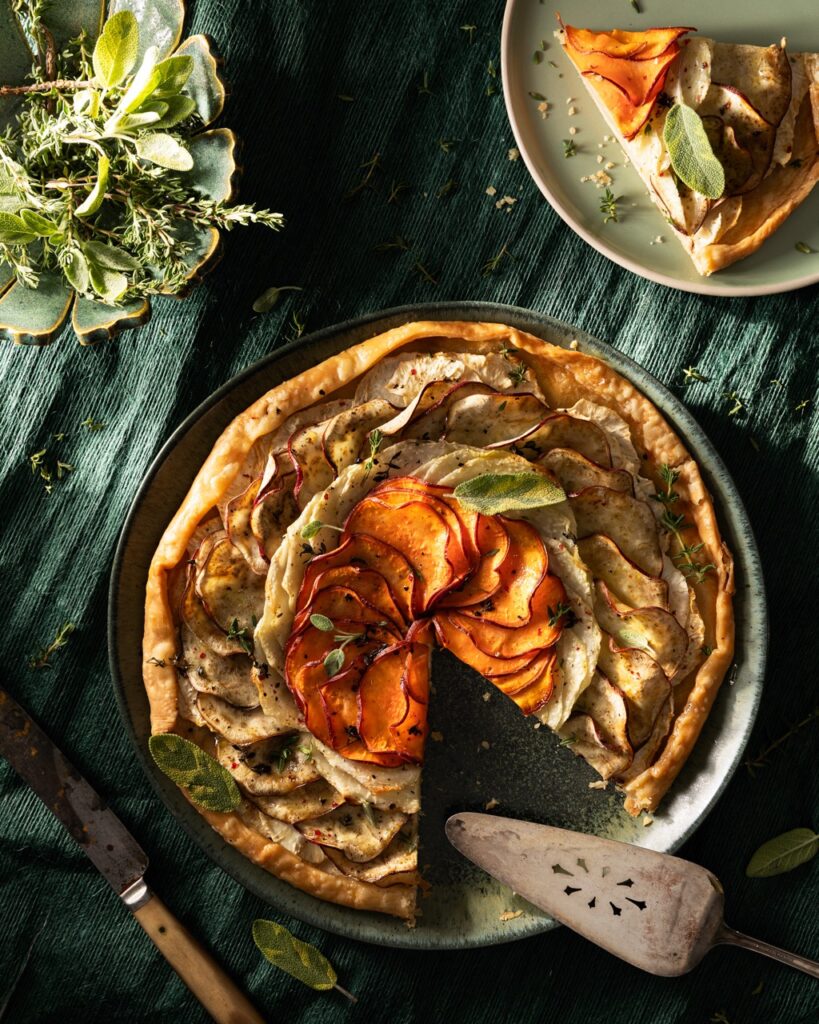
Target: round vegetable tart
{"points": [[462, 485]]}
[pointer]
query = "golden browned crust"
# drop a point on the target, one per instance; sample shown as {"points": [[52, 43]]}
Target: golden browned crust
{"points": [[565, 377], [769, 205]]}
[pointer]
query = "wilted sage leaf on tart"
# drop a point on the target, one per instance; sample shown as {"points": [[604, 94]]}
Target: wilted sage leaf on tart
{"points": [[112, 189], [725, 136], [476, 489], [207, 782]]}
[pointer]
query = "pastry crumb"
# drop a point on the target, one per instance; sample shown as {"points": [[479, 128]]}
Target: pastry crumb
{"points": [[574, 344], [490, 805], [505, 201], [657, 241], [510, 915], [543, 109], [537, 725], [610, 164], [513, 154], [487, 695], [486, 744], [572, 111], [601, 178], [599, 784], [491, 191], [437, 736], [600, 158], [572, 130], [648, 820]]}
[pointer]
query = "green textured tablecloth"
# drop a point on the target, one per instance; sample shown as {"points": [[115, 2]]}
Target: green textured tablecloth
{"points": [[290, 64]]}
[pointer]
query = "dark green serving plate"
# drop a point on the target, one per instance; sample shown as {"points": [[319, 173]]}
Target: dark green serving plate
{"points": [[524, 769]]}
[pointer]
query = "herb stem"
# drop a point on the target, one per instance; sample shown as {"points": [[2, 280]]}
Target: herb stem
{"points": [[344, 992], [61, 84]]}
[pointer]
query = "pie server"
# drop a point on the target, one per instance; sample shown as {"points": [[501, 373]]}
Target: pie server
{"points": [[655, 911], [119, 859]]}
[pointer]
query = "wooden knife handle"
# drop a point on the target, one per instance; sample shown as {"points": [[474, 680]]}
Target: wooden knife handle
{"points": [[223, 1000]]}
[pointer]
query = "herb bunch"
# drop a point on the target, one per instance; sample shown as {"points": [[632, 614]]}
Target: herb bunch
{"points": [[95, 182], [674, 523]]}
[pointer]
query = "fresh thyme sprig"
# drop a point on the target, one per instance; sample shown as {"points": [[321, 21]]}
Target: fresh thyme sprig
{"points": [[49, 468], [753, 764], [608, 206], [562, 612], [242, 635], [43, 657], [315, 526], [94, 171], [674, 523], [492, 264], [375, 439]]}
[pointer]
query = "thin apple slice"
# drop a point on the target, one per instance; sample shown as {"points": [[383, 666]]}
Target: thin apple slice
{"points": [[652, 630], [623, 578], [630, 523], [285, 835], [641, 681], [196, 618], [238, 512], [270, 767], [753, 137], [520, 573], [345, 437], [762, 75], [424, 418], [643, 45], [645, 754], [420, 534], [559, 430], [368, 553], [598, 728], [492, 542], [575, 472], [361, 832], [308, 801], [542, 630], [368, 584], [242, 726], [228, 588], [226, 676], [485, 419]]}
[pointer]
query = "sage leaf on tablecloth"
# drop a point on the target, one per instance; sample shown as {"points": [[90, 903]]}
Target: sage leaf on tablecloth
{"points": [[207, 782], [494, 493], [784, 853], [270, 297], [117, 47], [690, 151], [299, 959]]}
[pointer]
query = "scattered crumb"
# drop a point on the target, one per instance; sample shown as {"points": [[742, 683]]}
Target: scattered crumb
{"points": [[657, 241], [627, 161], [572, 130], [514, 153], [608, 138], [569, 100], [510, 915], [572, 111], [574, 344], [505, 201], [437, 736], [647, 821], [543, 109], [610, 164], [537, 725], [783, 42], [600, 158], [599, 784], [491, 191], [490, 805], [600, 178], [486, 744], [487, 695]]}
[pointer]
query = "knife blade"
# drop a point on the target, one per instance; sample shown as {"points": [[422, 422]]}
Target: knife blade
{"points": [[658, 912], [118, 857]]}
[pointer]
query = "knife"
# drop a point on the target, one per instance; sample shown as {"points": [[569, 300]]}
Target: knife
{"points": [[118, 857], [655, 911]]}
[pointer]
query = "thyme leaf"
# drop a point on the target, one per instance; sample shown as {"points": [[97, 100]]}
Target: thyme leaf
{"points": [[43, 657]]}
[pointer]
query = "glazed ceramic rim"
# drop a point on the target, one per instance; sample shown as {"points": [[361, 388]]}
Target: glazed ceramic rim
{"points": [[303, 906], [707, 286]]}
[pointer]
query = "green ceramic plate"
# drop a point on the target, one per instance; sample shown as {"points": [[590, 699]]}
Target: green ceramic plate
{"points": [[525, 769], [776, 267]]}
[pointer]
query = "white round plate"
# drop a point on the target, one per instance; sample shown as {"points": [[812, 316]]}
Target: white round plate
{"points": [[777, 267]]}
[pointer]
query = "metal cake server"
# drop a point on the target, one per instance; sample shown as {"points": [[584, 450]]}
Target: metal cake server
{"points": [[118, 857], [655, 911]]}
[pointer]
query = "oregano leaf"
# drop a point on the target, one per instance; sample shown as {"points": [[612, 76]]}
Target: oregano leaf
{"points": [[208, 783], [690, 151], [299, 959], [163, 150], [93, 201], [322, 622], [117, 48], [783, 853], [494, 493]]}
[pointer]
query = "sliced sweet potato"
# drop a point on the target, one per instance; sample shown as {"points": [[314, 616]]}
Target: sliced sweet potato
{"points": [[460, 545], [520, 575], [637, 78], [511, 642], [559, 430], [539, 691], [492, 542], [344, 605], [452, 635], [630, 523], [382, 702], [367, 584], [643, 45], [629, 119]]}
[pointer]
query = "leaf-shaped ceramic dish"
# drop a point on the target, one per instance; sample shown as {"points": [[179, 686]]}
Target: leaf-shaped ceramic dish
{"points": [[33, 316]]}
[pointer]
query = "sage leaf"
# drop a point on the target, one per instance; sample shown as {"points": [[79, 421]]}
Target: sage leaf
{"points": [[690, 151], [493, 493], [322, 622], [76, 272], [269, 298], [110, 256], [784, 853], [172, 74], [93, 201], [87, 102], [40, 225], [143, 84], [312, 528], [299, 959], [13, 230], [177, 110], [334, 662], [110, 285], [117, 47], [208, 783], [165, 151]]}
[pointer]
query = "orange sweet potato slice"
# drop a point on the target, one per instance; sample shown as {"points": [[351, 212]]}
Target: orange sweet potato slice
{"points": [[460, 547], [454, 636], [637, 78], [382, 702], [492, 542], [367, 584], [639, 46], [542, 674]]}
